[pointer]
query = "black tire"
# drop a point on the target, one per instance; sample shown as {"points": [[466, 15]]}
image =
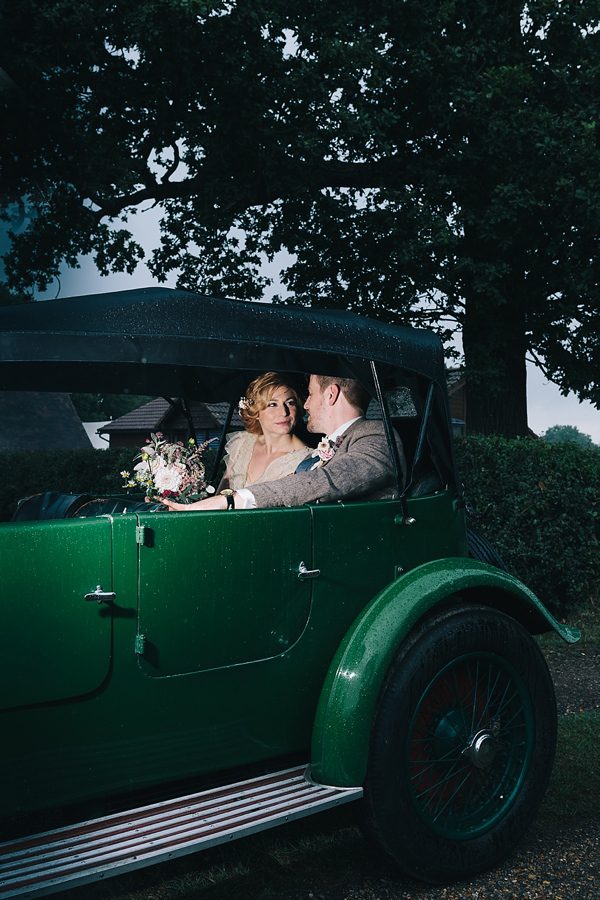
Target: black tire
{"points": [[462, 746], [480, 548]]}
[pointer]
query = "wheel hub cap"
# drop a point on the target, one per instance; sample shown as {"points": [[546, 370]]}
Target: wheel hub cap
{"points": [[483, 747]]}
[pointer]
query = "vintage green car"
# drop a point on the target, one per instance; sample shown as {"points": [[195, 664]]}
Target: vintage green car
{"points": [[296, 657]]}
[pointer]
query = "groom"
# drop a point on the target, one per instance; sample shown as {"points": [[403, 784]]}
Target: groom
{"points": [[358, 459]]}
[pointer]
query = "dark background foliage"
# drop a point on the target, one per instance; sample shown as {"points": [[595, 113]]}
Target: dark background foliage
{"points": [[94, 472], [540, 503]]}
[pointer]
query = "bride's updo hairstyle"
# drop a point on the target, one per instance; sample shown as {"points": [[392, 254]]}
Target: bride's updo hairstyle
{"points": [[258, 395]]}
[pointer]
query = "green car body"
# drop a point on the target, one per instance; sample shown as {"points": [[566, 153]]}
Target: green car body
{"points": [[214, 652], [140, 648]]}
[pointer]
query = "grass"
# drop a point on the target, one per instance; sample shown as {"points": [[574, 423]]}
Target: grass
{"points": [[575, 785], [574, 788]]}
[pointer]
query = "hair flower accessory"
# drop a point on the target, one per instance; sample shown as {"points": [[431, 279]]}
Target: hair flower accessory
{"points": [[245, 402]]}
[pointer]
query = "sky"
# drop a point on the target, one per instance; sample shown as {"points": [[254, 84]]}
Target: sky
{"points": [[545, 404]]}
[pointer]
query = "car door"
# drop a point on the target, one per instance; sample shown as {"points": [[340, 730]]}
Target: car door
{"points": [[220, 588], [361, 547], [54, 644]]}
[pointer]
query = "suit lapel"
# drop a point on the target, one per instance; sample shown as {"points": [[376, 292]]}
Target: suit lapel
{"points": [[343, 439]]}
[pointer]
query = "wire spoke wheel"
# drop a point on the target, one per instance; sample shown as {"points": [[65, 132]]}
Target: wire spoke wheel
{"points": [[470, 744], [462, 745]]}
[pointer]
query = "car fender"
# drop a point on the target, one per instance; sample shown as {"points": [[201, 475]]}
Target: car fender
{"points": [[341, 733]]}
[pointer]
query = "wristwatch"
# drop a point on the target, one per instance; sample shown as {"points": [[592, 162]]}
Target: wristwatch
{"points": [[228, 494]]}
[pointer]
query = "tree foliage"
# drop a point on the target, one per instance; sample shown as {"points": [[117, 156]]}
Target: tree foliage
{"points": [[101, 407], [559, 433], [12, 298], [432, 162]]}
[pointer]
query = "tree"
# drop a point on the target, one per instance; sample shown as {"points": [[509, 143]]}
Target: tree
{"points": [[10, 298], [423, 162], [100, 407], [559, 433]]}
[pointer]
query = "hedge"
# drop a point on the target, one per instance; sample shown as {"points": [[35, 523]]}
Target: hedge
{"points": [[539, 504], [94, 472]]}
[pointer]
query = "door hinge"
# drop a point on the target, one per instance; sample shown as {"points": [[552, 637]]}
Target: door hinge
{"points": [[140, 644], [144, 536]]}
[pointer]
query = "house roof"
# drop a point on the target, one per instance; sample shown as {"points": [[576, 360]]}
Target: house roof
{"points": [[31, 420], [455, 379], [159, 414], [145, 418], [220, 410]]}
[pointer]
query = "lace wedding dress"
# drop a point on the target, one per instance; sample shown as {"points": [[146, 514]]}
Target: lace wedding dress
{"points": [[237, 459]]}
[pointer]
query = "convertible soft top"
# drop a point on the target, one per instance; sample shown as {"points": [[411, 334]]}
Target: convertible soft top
{"points": [[165, 341]]}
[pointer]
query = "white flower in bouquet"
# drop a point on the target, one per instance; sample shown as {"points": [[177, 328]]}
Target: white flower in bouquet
{"points": [[168, 477]]}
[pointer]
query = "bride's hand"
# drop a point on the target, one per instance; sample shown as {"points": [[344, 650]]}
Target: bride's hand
{"points": [[174, 506]]}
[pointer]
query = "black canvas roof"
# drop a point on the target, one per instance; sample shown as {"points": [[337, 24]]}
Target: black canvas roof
{"points": [[169, 342]]}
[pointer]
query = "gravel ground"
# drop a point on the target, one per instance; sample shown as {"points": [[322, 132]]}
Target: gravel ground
{"points": [[576, 676], [562, 864]]}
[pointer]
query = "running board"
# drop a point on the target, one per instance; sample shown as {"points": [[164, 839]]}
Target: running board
{"points": [[100, 848]]}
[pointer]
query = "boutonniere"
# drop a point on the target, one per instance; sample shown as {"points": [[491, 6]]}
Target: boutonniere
{"points": [[327, 448]]}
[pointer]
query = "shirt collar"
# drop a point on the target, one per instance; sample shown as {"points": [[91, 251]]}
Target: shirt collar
{"points": [[342, 428]]}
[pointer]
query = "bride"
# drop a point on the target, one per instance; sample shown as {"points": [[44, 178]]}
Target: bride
{"points": [[268, 449]]}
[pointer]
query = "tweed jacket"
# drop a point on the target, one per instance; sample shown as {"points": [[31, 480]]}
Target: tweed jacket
{"points": [[361, 467]]}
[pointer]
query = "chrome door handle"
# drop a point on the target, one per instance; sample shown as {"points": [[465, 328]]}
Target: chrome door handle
{"points": [[303, 572], [101, 596]]}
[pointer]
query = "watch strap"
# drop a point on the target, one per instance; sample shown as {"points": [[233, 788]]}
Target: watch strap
{"points": [[228, 494]]}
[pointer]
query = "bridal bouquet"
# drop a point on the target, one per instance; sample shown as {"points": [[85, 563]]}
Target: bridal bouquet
{"points": [[173, 471]]}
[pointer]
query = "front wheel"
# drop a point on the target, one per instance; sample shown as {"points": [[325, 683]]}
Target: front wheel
{"points": [[462, 745]]}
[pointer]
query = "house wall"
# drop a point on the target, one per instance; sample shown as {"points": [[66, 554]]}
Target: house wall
{"points": [[457, 398]]}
